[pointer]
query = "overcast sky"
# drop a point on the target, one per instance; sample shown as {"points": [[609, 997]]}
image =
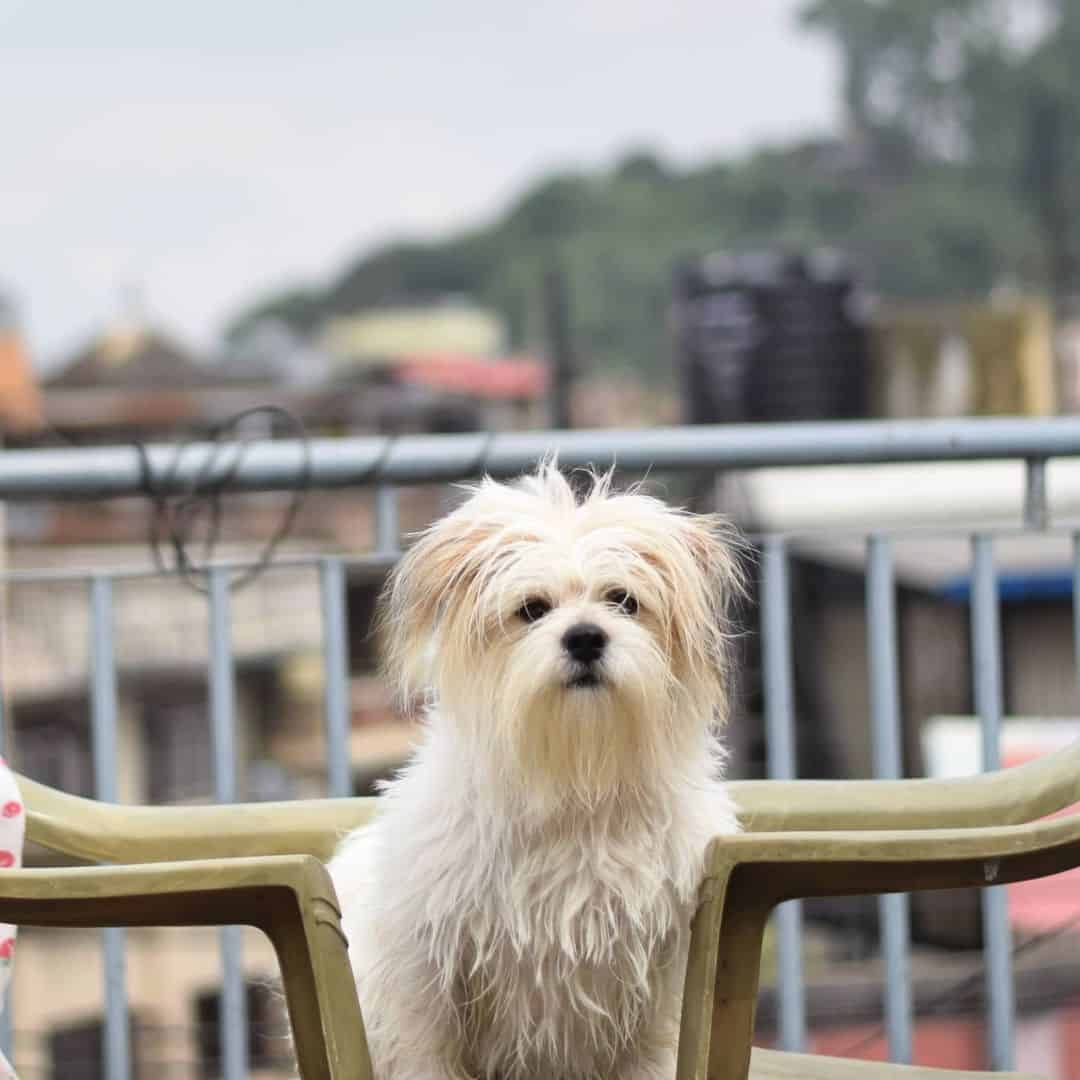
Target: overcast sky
{"points": [[209, 151]]}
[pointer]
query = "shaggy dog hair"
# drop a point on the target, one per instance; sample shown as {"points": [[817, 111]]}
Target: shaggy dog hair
{"points": [[520, 908]]}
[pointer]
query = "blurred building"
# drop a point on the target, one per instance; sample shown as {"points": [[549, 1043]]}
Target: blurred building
{"points": [[765, 337], [20, 398], [133, 382], [272, 351], [828, 513], [770, 337], [990, 359], [375, 336]]}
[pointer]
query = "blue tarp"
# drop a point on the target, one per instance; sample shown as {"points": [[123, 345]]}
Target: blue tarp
{"points": [[1016, 588]]}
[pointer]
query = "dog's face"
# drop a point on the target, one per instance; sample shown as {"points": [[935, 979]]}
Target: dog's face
{"points": [[580, 641]]}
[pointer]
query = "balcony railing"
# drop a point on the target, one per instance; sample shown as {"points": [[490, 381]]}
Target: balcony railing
{"points": [[385, 464]]}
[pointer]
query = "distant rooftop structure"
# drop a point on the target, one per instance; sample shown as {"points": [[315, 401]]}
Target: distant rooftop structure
{"points": [[20, 400], [519, 378], [271, 350], [133, 354], [391, 334]]}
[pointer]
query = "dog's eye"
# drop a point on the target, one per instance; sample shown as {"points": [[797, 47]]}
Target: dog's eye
{"points": [[534, 609], [621, 599]]}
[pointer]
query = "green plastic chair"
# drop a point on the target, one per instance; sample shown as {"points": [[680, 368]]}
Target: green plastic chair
{"points": [[263, 865]]}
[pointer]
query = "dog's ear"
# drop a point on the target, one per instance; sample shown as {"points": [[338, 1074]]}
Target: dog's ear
{"points": [[421, 589], [708, 595], [716, 549]]}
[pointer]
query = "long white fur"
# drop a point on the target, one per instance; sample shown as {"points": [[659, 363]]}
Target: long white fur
{"points": [[520, 908]]}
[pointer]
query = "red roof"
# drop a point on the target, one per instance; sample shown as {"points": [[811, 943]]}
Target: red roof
{"points": [[508, 378]]}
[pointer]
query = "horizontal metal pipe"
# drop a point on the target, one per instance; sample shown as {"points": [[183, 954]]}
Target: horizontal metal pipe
{"points": [[376, 564], [414, 459], [369, 564]]}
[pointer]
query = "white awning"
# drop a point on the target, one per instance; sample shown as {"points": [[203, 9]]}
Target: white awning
{"points": [[932, 510]]}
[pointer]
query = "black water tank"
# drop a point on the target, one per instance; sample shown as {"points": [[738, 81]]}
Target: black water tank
{"points": [[770, 337]]}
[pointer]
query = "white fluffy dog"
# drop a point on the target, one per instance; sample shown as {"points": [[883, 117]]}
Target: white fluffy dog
{"points": [[521, 906]]}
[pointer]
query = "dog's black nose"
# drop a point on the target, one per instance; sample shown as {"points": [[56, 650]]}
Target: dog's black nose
{"points": [[585, 642]]}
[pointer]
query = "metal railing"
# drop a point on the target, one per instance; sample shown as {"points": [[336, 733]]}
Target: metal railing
{"points": [[386, 463], [425, 459]]}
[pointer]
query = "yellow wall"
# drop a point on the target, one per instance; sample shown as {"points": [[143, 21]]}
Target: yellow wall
{"points": [[964, 360], [394, 333]]}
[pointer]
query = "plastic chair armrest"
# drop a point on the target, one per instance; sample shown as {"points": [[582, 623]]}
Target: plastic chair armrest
{"points": [[290, 898]]}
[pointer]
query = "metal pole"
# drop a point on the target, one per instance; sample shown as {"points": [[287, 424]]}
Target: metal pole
{"points": [[888, 765], [233, 1016], [1036, 511], [986, 648], [116, 1048], [559, 345], [780, 739], [336, 676], [426, 459], [387, 527]]}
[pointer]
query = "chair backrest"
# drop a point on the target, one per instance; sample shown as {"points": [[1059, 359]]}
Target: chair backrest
{"points": [[1008, 797], [93, 831], [100, 832], [104, 832]]}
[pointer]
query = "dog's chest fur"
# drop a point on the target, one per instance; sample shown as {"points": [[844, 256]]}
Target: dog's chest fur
{"points": [[551, 950], [565, 945], [561, 946]]}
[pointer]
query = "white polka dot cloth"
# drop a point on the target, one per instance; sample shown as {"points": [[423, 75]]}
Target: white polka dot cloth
{"points": [[12, 828]]}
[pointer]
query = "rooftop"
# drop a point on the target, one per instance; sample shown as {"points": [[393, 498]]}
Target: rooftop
{"points": [[20, 400]]}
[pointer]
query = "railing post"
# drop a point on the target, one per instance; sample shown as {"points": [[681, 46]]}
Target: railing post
{"points": [[888, 765], [986, 650], [1036, 510], [116, 1049], [233, 1013], [387, 527], [336, 704], [780, 740]]}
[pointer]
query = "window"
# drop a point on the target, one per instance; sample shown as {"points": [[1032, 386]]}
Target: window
{"points": [[178, 750], [52, 745], [76, 1051], [362, 599], [268, 1030]]}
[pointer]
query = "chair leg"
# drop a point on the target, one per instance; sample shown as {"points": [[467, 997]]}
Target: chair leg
{"points": [[720, 990], [320, 991], [695, 1027], [742, 932]]}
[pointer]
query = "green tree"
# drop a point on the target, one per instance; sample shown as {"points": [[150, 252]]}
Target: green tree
{"points": [[961, 167], [952, 79]]}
